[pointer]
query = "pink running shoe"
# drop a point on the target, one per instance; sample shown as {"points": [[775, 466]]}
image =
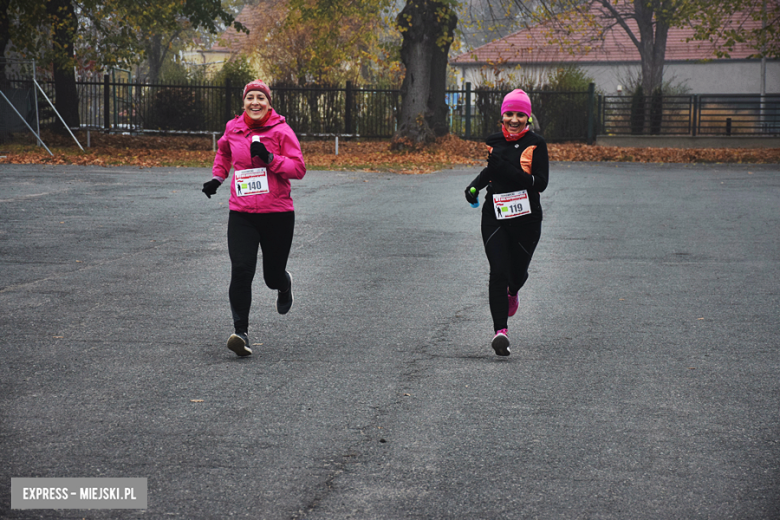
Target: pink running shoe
{"points": [[500, 343], [513, 303]]}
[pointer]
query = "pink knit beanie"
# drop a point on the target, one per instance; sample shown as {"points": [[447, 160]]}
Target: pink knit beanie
{"points": [[257, 84], [516, 101]]}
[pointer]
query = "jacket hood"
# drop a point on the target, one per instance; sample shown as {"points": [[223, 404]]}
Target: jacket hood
{"points": [[275, 119]]}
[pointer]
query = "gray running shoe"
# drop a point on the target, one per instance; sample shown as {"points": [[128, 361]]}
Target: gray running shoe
{"points": [[239, 343]]}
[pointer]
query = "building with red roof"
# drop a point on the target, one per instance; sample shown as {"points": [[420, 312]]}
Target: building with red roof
{"points": [[615, 62], [229, 43]]}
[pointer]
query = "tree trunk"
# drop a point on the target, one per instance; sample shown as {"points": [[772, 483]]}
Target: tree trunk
{"points": [[437, 96], [66, 98], [652, 49], [4, 39], [652, 45], [427, 27], [157, 52], [415, 91], [154, 57]]}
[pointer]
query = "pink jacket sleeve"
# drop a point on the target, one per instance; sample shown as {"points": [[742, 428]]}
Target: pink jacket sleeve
{"points": [[288, 163], [223, 160]]}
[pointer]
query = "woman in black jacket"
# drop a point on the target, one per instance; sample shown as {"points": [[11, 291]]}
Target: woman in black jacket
{"points": [[517, 172]]}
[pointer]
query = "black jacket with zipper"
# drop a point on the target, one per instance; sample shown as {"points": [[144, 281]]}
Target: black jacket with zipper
{"points": [[509, 176]]}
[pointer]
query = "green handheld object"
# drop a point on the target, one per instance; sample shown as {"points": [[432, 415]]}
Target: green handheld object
{"points": [[473, 191]]}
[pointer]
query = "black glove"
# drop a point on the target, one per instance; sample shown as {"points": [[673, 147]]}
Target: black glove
{"points": [[502, 170], [258, 149], [210, 188], [472, 198], [496, 162]]}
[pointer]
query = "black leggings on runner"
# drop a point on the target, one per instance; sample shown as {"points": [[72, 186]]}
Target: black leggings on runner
{"points": [[509, 251], [273, 233]]}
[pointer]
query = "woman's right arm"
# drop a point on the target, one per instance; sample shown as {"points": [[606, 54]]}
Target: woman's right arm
{"points": [[223, 160], [481, 180]]}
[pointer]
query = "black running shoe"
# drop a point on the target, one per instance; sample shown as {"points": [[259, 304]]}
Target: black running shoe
{"points": [[284, 300], [239, 343]]}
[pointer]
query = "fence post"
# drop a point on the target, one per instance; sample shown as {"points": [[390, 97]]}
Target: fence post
{"points": [[694, 121], [591, 100], [227, 100], [468, 110], [106, 104], [35, 100], [600, 112], [348, 109], [113, 96]]}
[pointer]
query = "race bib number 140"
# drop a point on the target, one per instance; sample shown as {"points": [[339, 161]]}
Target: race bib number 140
{"points": [[253, 181], [511, 205]]}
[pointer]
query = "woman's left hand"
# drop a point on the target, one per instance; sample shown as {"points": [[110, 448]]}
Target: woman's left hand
{"points": [[258, 149], [502, 170], [210, 188], [496, 162]]}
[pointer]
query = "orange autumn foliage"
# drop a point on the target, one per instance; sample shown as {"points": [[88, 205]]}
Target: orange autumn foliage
{"points": [[449, 151]]}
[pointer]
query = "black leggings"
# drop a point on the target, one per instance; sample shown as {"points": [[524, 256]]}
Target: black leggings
{"points": [[273, 232], [509, 251]]}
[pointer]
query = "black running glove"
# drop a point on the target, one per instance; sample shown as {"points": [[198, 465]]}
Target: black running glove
{"points": [[498, 163], [258, 149], [210, 188], [502, 170], [472, 198]]}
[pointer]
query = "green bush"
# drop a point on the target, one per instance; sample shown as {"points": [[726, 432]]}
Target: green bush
{"points": [[238, 71], [176, 108], [560, 104], [568, 79], [564, 115]]}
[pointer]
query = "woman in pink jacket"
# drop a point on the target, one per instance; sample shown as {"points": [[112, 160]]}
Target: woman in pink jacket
{"points": [[266, 154]]}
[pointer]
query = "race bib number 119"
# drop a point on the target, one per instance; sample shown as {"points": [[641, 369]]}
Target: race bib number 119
{"points": [[511, 205], [253, 181]]}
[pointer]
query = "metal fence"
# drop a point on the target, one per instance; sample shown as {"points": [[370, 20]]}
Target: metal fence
{"points": [[711, 115], [318, 111], [121, 106], [558, 116]]}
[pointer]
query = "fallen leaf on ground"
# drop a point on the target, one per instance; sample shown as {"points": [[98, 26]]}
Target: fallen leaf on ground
{"points": [[146, 151]]}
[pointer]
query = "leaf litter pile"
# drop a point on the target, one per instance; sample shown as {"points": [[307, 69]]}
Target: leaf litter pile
{"points": [[373, 155]]}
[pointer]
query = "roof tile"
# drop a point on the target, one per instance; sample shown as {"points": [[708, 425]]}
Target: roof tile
{"points": [[529, 46]]}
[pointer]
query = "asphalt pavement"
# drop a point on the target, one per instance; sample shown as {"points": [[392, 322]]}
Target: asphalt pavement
{"points": [[644, 380]]}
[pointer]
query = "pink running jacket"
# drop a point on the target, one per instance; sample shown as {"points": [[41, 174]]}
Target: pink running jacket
{"points": [[287, 163]]}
